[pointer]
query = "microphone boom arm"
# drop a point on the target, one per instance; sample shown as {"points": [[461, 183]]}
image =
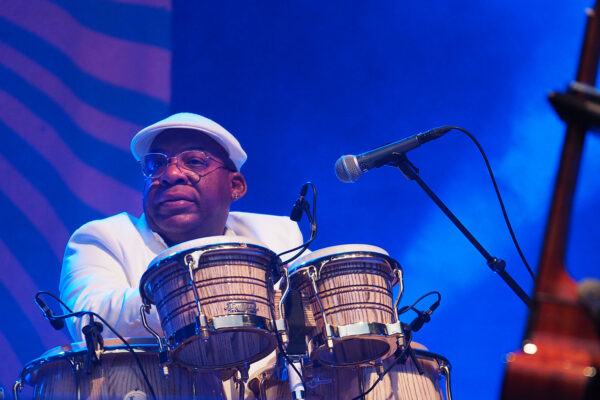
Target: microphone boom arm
{"points": [[497, 265]]}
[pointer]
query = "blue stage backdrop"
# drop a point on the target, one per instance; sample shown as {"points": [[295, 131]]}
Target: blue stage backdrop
{"points": [[300, 84]]}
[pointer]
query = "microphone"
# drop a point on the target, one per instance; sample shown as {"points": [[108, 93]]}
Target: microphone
{"points": [[349, 168], [56, 323], [423, 317], [296, 214]]}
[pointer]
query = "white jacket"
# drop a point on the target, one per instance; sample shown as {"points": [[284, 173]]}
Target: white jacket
{"points": [[105, 260]]}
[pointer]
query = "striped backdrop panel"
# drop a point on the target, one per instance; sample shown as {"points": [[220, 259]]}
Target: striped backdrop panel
{"points": [[77, 80]]}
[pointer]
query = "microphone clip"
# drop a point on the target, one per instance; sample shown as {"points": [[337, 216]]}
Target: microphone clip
{"points": [[94, 342], [56, 322], [301, 205]]}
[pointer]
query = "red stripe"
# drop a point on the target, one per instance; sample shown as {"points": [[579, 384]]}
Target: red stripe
{"points": [[166, 4], [92, 187], [140, 67], [100, 125], [23, 289], [36, 208]]}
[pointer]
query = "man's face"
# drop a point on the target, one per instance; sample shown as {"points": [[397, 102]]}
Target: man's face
{"points": [[177, 205]]}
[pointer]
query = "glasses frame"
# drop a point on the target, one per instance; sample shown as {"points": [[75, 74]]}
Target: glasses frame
{"points": [[181, 167]]}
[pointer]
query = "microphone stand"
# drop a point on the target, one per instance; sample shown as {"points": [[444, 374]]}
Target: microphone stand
{"points": [[496, 264]]}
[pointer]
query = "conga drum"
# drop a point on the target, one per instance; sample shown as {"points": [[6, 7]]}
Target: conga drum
{"points": [[61, 374], [214, 298], [402, 382]]}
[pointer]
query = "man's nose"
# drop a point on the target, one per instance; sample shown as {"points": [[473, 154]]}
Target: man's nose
{"points": [[173, 174]]}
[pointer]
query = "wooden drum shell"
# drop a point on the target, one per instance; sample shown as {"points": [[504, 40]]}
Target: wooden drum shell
{"points": [[402, 382], [231, 279], [354, 284], [60, 373]]}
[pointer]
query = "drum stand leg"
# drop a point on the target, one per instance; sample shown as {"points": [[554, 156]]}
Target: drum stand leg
{"points": [[361, 382], [409, 352], [240, 379]]}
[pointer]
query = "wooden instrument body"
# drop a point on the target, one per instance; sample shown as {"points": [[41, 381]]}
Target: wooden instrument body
{"points": [[60, 374], [354, 285], [233, 283], [561, 356], [402, 382]]}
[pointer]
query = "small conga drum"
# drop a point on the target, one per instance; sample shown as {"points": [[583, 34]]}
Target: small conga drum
{"points": [[214, 298], [61, 374], [402, 382], [349, 288]]}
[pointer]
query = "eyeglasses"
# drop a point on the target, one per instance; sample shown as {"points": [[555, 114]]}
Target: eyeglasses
{"points": [[197, 162]]}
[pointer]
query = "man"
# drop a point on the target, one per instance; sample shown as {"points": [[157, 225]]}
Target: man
{"points": [[192, 168]]}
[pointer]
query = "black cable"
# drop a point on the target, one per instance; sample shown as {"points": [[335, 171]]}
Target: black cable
{"points": [[388, 369], [404, 309], [313, 228], [55, 297], [509, 226], [408, 340], [284, 353], [81, 314]]}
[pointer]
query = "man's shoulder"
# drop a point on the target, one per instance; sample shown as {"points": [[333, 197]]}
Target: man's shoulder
{"points": [[120, 225], [120, 221]]}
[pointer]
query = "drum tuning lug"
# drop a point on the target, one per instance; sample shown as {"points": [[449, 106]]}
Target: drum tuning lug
{"points": [[329, 331], [330, 345], [202, 327], [379, 369], [164, 361]]}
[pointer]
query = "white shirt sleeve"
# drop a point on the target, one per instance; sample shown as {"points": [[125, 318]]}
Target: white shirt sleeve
{"points": [[99, 275]]}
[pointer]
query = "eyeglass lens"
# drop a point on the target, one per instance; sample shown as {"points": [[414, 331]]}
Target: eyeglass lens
{"points": [[196, 161]]}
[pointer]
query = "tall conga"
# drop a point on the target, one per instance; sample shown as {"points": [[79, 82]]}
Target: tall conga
{"points": [[61, 374]]}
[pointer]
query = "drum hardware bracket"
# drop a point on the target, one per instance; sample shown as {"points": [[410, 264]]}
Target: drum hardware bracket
{"points": [[406, 352], [17, 387], [379, 369], [280, 324], [163, 353], [400, 276], [313, 274], [192, 261], [95, 343]]}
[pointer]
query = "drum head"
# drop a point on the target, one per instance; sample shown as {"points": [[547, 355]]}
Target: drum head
{"points": [[203, 242], [176, 253], [327, 252], [78, 349]]}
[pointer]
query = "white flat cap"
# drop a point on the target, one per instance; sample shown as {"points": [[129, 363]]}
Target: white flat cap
{"points": [[141, 142]]}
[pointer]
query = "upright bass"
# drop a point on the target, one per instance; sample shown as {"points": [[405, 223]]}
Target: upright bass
{"points": [[560, 358]]}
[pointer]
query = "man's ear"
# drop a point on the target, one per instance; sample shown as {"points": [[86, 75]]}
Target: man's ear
{"points": [[239, 187]]}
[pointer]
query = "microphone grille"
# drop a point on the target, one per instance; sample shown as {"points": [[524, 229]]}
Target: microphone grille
{"points": [[347, 169]]}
